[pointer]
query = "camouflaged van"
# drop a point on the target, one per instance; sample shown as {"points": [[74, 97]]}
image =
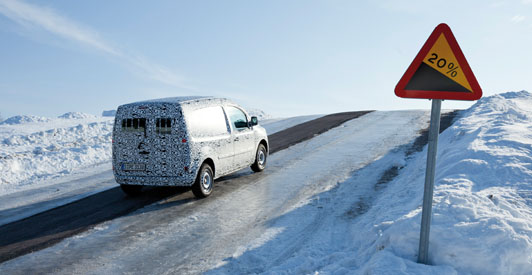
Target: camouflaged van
{"points": [[184, 141]]}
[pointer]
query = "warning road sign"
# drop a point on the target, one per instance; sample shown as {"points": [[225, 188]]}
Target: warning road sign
{"points": [[439, 71]]}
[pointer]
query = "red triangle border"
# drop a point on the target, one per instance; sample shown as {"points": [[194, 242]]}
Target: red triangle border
{"points": [[451, 95]]}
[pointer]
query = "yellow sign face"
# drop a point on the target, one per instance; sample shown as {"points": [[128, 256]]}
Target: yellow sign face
{"points": [[442, 59]]}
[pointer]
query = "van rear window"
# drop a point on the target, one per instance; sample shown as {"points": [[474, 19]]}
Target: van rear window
{"points": [[163, 125], [134, 124]]}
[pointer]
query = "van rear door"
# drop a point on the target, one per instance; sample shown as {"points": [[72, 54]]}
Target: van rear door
{"points": [[152, 144]]}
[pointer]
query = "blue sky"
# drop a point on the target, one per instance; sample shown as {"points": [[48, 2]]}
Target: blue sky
{"points": [[284, 57]]}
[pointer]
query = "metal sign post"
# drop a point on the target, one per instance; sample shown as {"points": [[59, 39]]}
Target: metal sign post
{"points": [[426, 215]]}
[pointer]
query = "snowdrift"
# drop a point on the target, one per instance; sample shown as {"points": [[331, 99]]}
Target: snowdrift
{"points": [[482, 212], [34, 149]]}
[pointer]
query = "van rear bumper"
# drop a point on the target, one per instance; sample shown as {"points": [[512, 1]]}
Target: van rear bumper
{"points": [[185, 180]]}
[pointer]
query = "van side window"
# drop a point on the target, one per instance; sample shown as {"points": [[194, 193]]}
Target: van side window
{"points": [[163, 125], [134, 124], [207, 122], [237, 117]]}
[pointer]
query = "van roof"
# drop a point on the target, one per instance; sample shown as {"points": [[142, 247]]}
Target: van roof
{"points": [[192, 101], [179, 99]]}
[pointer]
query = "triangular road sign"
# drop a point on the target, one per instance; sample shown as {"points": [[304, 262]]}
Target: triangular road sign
{"points": [[439, 71]]}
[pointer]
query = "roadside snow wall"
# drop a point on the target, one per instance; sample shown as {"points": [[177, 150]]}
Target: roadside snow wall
{"points": [[56, 147], [482, 211]]}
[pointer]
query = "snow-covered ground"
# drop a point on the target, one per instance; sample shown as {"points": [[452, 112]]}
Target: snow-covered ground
{"points": [[323, 207], [48, 162]]}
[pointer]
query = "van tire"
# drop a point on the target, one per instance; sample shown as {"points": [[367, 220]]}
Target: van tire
{"points": [[260, 159], [204, 182], [131, 190]]}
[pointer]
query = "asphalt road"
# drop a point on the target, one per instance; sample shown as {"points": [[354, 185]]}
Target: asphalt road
{"points": [[48, 228]]}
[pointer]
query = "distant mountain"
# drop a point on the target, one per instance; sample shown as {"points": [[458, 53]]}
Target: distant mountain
{"points": [[76, 115]]}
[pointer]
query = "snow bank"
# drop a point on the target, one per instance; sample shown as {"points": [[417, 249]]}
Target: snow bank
{"points": [[482, 210], [47, 148], [482, 213]]}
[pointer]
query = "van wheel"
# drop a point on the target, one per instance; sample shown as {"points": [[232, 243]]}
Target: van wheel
{"points": [[204, 182], [260, 159], [131, 190]]}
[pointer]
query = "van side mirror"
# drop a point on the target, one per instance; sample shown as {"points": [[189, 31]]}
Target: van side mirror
{"points": [[254, 121]]}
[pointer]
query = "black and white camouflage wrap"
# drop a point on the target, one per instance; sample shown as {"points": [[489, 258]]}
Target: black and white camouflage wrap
{"points": [[171, 159]]}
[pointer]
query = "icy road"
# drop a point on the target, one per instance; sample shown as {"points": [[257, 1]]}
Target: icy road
{"points": [[181, 235]]}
